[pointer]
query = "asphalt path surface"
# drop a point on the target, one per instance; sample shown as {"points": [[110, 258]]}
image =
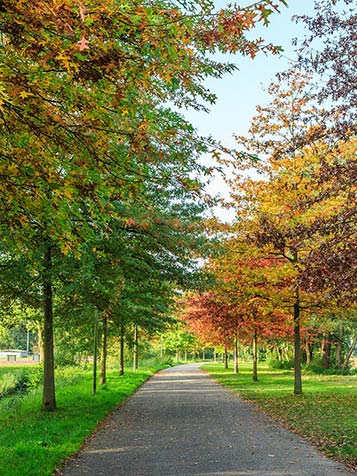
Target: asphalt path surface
{"points": [[183, 423]]}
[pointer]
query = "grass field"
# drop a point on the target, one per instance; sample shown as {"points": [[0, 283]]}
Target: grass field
{"points": [[33, 443], [325, 413]]}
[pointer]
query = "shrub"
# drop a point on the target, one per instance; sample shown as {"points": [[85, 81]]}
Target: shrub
{"points": [[274, 363], [13, 382]]}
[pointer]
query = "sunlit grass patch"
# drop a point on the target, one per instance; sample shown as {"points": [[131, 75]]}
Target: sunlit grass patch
{"points": [[325, 413], [33, 442]]}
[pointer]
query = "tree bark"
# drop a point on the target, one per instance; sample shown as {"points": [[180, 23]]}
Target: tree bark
{"points": [[121, 358], [225, 358], [326, 357], [338, 354], [235, 353], [40, 340], [297, 347], [95, 352], [214, 356], [349, 353], [135, 350], [103, 369], [255, 356], [308, 351], [339, 347], [185, 355], [49, 394]]}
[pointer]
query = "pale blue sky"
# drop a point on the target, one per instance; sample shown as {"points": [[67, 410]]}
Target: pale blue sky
{"points": [[239, 93]]}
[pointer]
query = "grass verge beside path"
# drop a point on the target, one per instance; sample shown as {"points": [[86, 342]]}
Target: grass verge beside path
{"points": [[33, 443], [325, 413]]}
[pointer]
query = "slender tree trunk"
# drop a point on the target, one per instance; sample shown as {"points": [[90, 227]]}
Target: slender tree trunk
{"points": [[339, 354], [255, 356], [103, 370], [40, 340], [326, 360], [95, 352], [349, 353], [322, 348], [225, 358], [203, 355], [135, 350], [235, 354], [49, 394], [121, 361], [214, 356], [339, 347], [297, 347], [308, 353], [185, 355]]}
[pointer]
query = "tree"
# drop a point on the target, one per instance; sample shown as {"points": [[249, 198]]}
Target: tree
{"points": [[83, 122], [276, 210]]}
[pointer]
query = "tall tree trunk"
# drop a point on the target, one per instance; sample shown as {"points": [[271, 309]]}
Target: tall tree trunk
{"points": [[326, 357], [349, 353], [121, 361], [95, 352], [203, 355], [135, 350], [214, 356], [185, 355], [235, 354], [255, 356], [225, 358], [103, 369], [297, 347], [49, 394]]}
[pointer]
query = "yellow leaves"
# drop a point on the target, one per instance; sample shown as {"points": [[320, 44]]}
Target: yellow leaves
{"points": [[3, 95], [24, 94], [65, 247], [66, 62], [67, 193]]}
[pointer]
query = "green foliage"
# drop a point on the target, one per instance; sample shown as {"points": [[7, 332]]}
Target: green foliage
{"points": [[274, 363], [18, 380], [316, 367], [323, 414]]}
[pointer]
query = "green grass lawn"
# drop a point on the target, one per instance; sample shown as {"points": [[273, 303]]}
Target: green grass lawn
{"points": [[34, 443], [325, 414]]}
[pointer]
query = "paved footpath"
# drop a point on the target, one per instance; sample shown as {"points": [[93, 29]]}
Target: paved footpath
{"points": [[183, 423]]}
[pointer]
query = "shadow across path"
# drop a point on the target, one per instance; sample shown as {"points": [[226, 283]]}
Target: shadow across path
{"points": [[183, 423]]}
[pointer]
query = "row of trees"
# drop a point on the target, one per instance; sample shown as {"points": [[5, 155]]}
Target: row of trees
{"points": [[289, 265], [101, 191]]}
